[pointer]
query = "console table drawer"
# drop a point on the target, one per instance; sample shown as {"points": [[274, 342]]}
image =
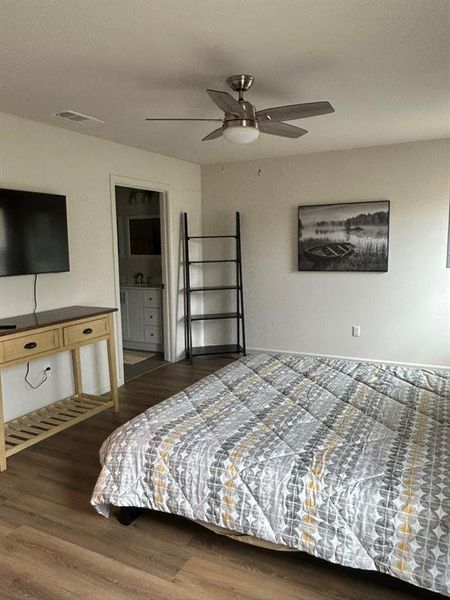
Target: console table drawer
{"points": [[29, 345], [74, 334]]}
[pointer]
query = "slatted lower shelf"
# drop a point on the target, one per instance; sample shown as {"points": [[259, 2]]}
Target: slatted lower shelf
{"points": [[222, 349], [45, 422]]}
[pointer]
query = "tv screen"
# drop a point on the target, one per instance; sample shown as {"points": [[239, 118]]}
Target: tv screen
{"points": [[33, 233]]}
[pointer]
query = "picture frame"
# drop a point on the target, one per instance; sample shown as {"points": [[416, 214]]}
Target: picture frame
{"points": [[344, 236]]}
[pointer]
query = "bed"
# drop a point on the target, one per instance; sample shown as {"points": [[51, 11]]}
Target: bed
{"points": [[348, 461]]}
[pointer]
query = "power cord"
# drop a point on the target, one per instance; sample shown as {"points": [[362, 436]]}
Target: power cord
{"points": [[35, 292], [35, 387]]}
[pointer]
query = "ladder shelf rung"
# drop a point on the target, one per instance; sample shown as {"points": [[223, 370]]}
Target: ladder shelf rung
{"points": [[212, 288], [210, 237], [223, 349], [201, 262], [213, 316]]}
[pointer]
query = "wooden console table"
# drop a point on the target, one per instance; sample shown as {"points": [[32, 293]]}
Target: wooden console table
{"points": [[44, 334]]}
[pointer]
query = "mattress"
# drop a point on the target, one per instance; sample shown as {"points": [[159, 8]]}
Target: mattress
{"points": [[348, 461]]}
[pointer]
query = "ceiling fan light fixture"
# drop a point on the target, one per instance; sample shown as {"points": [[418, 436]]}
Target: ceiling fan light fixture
{"points": [[241, 132]]}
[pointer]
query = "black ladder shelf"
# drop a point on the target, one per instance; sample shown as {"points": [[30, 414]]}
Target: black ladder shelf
{"points": [[239, 347]]}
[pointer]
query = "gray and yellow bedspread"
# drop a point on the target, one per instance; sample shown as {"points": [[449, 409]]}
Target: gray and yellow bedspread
{"points": [[349, 461]]}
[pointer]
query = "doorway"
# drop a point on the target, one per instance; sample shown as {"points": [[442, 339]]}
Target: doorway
{"points": [[141, 278]]}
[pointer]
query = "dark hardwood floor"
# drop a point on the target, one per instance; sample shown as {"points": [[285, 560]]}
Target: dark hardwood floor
{"points": [[155, 361], [54, 546]]}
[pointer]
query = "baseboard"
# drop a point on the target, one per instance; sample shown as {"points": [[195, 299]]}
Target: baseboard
{"points": [[356, 358]]}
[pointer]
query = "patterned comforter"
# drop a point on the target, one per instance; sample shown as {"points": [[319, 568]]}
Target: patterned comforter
{"points": [[348, 461]]}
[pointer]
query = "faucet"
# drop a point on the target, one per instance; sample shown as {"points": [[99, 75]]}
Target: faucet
{"points": [[138, 278]]}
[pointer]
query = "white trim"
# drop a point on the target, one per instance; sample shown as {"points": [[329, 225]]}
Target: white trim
{"points": [[166, 246], [169, 332], [356, 358]]}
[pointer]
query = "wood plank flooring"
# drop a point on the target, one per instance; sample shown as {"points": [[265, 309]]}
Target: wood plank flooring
{"points": [[53, 545], [155, 361]]}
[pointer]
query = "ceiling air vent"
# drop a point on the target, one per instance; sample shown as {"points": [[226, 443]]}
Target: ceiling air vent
{"points": [[71, 115]]}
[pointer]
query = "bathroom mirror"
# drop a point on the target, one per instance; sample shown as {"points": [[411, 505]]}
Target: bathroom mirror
{"points": [[144, 235]]}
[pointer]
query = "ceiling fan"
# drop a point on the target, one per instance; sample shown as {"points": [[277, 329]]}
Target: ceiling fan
{"points": [[242, 123]]}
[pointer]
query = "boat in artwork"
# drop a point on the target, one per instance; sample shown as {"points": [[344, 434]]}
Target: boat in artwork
{"points": [[330, 251]]}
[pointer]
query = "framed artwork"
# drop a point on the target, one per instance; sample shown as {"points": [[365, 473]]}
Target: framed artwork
{"points": [[351, 236]]}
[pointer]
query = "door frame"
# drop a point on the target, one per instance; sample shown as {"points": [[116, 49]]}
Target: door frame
{"points": [[166, 263]]}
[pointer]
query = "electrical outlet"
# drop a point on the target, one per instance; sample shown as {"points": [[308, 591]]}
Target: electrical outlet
{"points": [[356, 331]]}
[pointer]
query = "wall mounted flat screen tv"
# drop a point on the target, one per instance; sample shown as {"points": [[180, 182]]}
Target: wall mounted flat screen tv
{"points": [[33, 233]]}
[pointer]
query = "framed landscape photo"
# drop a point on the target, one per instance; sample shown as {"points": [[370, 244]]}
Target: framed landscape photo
{"points": [[350, 236]]}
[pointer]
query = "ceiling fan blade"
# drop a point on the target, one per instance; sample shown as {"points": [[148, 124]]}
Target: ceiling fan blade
{"points": [[295, 111], [170, 119], [227, 103], [213, 135], [281, 129]]}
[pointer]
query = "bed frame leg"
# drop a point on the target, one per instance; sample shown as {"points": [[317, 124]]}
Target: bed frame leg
{"points": [[128, 514]]}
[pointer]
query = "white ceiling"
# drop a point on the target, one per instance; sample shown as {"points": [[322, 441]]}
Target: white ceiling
{"points": [[383, 64]]}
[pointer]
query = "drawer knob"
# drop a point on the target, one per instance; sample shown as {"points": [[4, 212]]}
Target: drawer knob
{"points": [[30, 345], [150, 299], [87, 331]]}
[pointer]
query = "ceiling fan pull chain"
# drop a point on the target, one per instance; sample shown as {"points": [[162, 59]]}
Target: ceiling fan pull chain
{"points": [[259, 157]]}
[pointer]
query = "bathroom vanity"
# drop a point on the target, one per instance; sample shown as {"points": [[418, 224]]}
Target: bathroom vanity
{"points": [[142, 323]]}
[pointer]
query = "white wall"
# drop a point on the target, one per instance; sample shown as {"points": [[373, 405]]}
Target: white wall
{"points": [[38, 157], [404, 314]]}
